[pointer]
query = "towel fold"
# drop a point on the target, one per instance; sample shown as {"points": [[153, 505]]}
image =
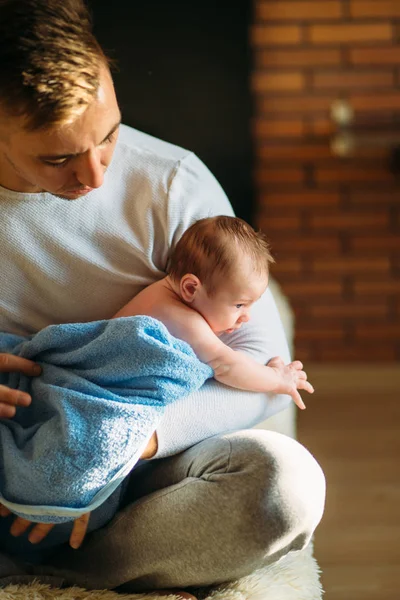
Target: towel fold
{"points": [[103, 390]]}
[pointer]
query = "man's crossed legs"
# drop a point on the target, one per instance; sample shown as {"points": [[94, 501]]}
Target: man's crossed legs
{"points": [[214, 513]]}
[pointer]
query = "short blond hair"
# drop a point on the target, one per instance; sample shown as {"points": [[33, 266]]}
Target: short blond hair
{"points": [[212, 246], [50, 61]]}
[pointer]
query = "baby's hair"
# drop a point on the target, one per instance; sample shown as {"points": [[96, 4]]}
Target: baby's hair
{"points": [[212, 246]]}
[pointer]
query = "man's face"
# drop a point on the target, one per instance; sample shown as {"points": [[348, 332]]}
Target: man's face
{"points": [[67, 161]]}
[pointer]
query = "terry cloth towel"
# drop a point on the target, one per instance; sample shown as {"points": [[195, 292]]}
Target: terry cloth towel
{"points": [[102, 392]]}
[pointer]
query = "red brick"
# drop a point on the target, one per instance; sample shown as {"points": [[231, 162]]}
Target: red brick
{"points": [[374, 8], [387, 55], [320, 127], [279, 175], [378, 101], [376, 198], [301, 57], [350, 200], [282, 223], [295, 104], [353, 79], [362, 175], [294, 151], [343, 220], [355, 352], [284, 278], [308, 289], [346, 265], [346, 309], [272, 128], [395, 261], [367, 150], [288, 81], [379, 153], [375, 243], [275, 35], [304, 351], [321, 244], [379, 332], [377, 287], [288, 266], [349, 33], [320, 333], [301, 199], [283, 10]]}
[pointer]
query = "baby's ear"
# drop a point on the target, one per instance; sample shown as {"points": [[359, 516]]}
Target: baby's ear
{"points": [[189, 286]]}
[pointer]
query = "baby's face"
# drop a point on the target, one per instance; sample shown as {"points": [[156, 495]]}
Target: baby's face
{"points": [[227, 309]]}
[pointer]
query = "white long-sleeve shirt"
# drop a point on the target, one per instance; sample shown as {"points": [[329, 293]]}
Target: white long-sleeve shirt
{"points": [[82, 260]]}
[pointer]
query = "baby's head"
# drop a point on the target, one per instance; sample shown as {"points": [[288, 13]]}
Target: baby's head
{"points": [[220, 267]]}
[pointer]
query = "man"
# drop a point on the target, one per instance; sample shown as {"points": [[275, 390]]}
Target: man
{"points": [[90, 210]]}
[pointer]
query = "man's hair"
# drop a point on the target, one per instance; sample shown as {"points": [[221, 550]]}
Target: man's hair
{"points": [[213, 246], [49, 61]]}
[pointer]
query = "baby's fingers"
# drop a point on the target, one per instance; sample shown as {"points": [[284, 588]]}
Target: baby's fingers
{"points": [[297, 399], [296, 364], [302, 384], [302, 375]]}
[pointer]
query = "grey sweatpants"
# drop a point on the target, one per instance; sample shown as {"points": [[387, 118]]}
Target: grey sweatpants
{"points": [[213, 513]]}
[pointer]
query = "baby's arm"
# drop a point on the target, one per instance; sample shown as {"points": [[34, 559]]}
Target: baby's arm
{"points": [[231, 367], [237, 370]]}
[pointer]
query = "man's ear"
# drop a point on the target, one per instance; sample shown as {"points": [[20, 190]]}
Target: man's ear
{"points": [[189, 286]]}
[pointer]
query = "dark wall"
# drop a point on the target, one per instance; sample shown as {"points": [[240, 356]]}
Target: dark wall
{"points": [[182, 75]]}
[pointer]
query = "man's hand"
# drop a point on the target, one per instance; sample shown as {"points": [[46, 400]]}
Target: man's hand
{"points": [[151, 447], [41, 530], [9, 398], [291, 378]]}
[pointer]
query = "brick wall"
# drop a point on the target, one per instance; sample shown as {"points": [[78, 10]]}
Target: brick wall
{"points": [[334, 223]]}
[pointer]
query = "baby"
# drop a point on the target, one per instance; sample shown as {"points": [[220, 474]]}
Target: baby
{"points": [[218, 269]]}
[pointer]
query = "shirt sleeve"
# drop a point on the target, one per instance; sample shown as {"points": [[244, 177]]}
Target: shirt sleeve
{"points": [[217, 408], [194, 193]]}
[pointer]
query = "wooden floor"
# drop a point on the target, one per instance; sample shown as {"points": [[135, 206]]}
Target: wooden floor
{"points": [[352, 426]]}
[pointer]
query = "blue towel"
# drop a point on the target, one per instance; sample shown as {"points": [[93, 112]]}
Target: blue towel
{"points": [[102, 392]]}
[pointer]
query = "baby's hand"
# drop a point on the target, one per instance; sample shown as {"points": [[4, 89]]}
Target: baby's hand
{"points": [[291, 378]]}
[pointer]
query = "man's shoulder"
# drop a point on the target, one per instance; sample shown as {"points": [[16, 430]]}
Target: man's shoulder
{"points": [[143, 157], [133, 140]]}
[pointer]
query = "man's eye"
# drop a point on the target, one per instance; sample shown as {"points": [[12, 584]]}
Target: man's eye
{"points": [[110, 138], [58, 163]]}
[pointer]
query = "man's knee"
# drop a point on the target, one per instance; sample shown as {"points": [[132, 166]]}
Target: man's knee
{"points": [[282, 491]]}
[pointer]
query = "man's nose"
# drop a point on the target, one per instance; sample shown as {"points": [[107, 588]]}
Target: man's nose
{"points": [[90, 171]]}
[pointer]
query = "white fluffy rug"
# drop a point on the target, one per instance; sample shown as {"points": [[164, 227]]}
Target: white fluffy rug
{"points": [[294, 577]]}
